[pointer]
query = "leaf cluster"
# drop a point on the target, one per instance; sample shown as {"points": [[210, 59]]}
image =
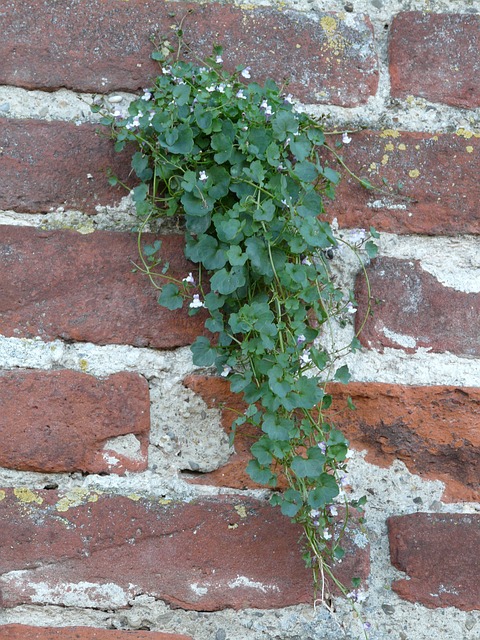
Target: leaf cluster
{"points": [[242, 167]]}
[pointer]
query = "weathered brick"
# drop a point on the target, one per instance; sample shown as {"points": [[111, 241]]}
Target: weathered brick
{"points": [[411, 309], [81, 287], [55, 421], [22, 632], [440, 553], [431, 180], [432, 429], [328, 58], [205, 555], [46, 165], [435, 56]]}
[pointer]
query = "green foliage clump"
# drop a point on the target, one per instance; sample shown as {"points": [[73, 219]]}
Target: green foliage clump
{"points": [[242, 168]]}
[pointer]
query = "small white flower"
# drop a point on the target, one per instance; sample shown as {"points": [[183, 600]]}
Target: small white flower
{"points": [[305, 357], [226, 370], [221, 88], [357, 236], [350, 308], [219, 59], [289, 98], [327, 535], [246, 73], [167, 70], [211, 88], [202, 176], [343, 479], [322, 446], [196, 302], [307, 262], [333, 510], [301, 339], [146, 95], [189, 279], [346, 138], [240, 95], [314, 513]]}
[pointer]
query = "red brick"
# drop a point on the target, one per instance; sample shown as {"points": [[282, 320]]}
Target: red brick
{"points": [[432, 429], [100, 551], [82, 288], [438, 175], [24, 632], [435, 56], [440, 553], [55, 421], [52, 164], [411, 309], [328, 59]]}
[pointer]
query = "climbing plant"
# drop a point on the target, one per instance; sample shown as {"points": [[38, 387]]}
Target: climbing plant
{"points": [[243, 169]]}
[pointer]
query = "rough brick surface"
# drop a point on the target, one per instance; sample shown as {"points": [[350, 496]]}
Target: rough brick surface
{"points": [[81, 287], [24, 632], [433, 430], [411, 309], [329, 59], [204, 555], [435, 56], [55, 421], [440, 553], [53, 164], [438, 177]]}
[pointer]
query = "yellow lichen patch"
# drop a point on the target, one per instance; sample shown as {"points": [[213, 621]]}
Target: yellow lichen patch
{"points": [[133, 496], [464, 133], [469, 149], [75, 498], [384, 160], [414, 173], [240, 509], [390, 133], [27, 495], [165, 501], [329, 25], [83, 364], [402, 147], [2, 495], [389, 146], [435, 138], [335, 41]]}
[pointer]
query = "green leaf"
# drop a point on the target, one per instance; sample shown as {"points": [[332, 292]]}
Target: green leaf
{"points": [[205, 250], [235, 256], [260, 450], [170, 297], [290, 503], [226, 282], [196, 206], [371, 249], [140, 193], [310, 467], [260, 474], [325, 491], [343, 374], [179, 140], [204, 354], [277, 428], [283, 123], [306, 171], [301, 148]]}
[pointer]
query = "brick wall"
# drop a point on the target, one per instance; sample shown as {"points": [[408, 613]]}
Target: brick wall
{"points": [[123, 511]]}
